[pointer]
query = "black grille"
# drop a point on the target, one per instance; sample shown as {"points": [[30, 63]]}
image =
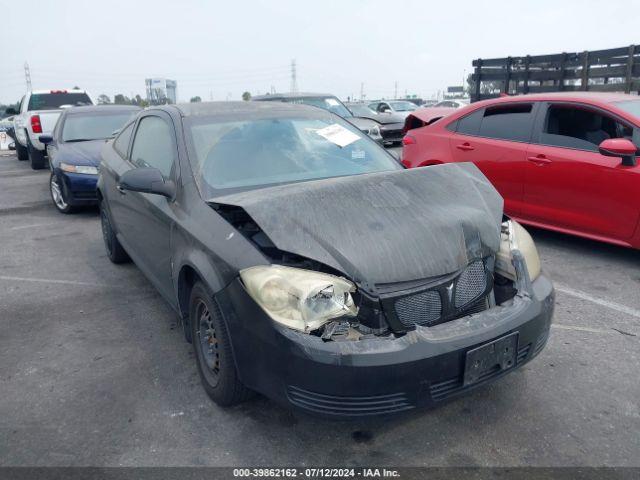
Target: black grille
{"points": [[423, 308], [457, 297], [442, 390], [471, 283], [540, 343], [348, 406]]}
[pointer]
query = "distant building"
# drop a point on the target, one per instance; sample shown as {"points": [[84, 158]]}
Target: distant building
{"points": [[161, 90]]}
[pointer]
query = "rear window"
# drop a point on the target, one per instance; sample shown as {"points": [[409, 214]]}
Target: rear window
{"points": [[52, 101], [93, 126]]}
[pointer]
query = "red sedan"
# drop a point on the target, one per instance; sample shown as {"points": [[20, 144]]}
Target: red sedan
{"points": [[562, 161]]}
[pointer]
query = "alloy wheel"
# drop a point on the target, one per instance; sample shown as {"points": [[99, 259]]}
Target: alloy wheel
{"points": [[57, 193]]}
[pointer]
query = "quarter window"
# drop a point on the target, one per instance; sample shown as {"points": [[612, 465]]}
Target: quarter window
{"points": [[581, 128], [121, 143], [153, 145]]}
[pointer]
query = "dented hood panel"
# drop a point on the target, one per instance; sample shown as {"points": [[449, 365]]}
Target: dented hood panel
{"points": [[385, 227]]}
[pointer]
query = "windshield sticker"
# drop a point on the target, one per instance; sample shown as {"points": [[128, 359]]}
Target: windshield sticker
{"points": [[358, 154], [338, 134]]}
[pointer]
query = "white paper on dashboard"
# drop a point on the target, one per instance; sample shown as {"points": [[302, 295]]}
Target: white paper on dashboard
{"points": [[338, 134]]}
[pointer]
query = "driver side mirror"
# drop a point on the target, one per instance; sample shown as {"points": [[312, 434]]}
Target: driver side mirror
{"points": [[147, 180], [619, 147]]}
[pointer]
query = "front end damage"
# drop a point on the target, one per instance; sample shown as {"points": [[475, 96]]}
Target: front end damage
{"points": [[406, 342]]}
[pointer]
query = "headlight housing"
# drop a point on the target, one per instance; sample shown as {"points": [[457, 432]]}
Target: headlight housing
{"points": [[83, 169], [515, 237], [374, 131], [300, 299]]}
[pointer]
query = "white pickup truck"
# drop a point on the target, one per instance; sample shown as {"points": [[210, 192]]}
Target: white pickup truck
{"points": [[38, 113]]}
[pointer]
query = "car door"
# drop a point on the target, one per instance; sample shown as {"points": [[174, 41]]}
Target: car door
{"points": [[146, 220], [496, 139], [569, 184]]}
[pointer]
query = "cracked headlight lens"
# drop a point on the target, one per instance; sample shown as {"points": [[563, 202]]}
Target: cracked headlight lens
{"points": [[515, 237], [300, 299]]}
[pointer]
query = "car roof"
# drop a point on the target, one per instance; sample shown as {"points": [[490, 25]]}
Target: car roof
{"points": [[227, 108], [101, 108], [292, 95], [591, 97]]}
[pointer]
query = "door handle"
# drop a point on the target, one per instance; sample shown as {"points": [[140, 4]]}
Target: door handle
{"points": [[465, 147], [539, 159], [121, 190]]}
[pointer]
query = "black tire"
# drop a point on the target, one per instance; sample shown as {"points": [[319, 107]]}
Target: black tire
{"points": [[36, 158], [60, 195], [114, 249], [22, 152], [217, 367]]}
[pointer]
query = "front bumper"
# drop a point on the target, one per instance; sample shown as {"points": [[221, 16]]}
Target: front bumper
{"points": [[351, 379], [392, 133], [79, 188]]}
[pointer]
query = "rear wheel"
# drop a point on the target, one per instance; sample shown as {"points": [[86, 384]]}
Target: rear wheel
{"points": [[22, 152], [59, 194], [213, 350], [36, 158], [115, 252]]}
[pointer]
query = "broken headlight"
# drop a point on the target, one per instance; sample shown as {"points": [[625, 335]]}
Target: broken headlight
{"points": [[515, 237], [300, 299]]}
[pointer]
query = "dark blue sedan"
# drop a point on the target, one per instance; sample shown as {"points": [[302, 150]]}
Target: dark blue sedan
{"points": [[74, 151]]}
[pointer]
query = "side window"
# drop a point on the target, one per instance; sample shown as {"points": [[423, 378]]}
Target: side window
{"points": [[507, 122], [581, 128], [153, 145], [374, 106], [470, 125], [121, 143]]}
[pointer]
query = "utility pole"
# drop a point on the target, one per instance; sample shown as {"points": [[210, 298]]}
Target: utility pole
{"points": [[27, 76], [362, 91], [395, 92], [294, 79]]}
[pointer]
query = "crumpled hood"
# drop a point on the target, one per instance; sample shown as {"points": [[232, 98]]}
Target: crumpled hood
{"points": [[391, 117], [384, 227], [81, 153], [362, 123]]}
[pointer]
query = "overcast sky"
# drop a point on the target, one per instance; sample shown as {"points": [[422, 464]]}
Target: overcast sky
{"points": [[218, 49]]}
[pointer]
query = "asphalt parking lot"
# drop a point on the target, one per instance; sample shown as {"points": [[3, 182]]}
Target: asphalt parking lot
{"points": [[95, 371]]}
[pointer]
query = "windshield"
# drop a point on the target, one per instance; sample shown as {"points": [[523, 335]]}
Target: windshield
{"points": [[52, 101], [631, 106], [331, 104], [93, 126], [403, 106], [361, 110], [241, 153]]}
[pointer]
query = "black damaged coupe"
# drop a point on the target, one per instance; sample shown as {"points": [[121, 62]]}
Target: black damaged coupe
{"points": [[306, 264]]}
